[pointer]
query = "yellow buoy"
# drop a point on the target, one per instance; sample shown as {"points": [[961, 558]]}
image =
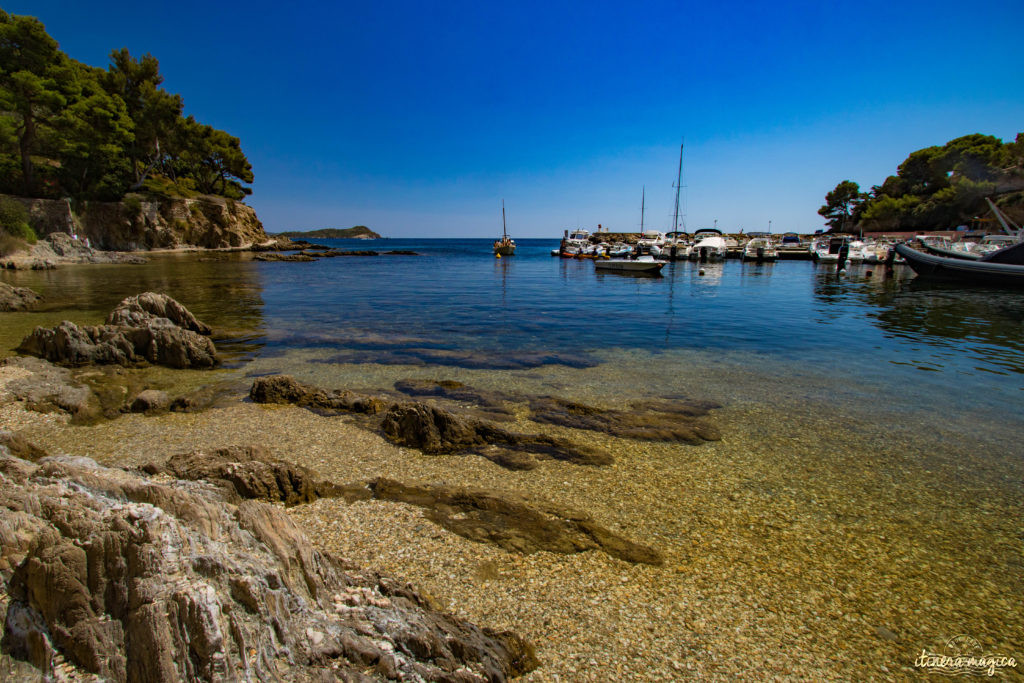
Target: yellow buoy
{"points": [[497, 256]]}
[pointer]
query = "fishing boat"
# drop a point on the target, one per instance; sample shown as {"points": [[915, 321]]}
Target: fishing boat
{"points": [[575, 244], [1002, 267], [506, 246]]}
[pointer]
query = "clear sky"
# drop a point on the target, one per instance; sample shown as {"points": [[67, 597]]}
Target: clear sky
{"points": [[418, 118]]}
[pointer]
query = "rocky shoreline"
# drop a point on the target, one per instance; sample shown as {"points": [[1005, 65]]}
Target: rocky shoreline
{"points": [[660, 538]]}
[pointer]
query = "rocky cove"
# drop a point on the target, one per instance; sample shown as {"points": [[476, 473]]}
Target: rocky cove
{"points": [[655, 536]]}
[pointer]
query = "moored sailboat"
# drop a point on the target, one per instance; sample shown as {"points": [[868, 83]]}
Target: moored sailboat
{"points": [[506, 246]]}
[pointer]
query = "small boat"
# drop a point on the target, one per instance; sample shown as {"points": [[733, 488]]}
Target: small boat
{"points": [[651, 242], [1002, 267], [676, 248], [575, 244], [828, 250], [640, 264], [760, 248], [709, 245], [506, 246]]}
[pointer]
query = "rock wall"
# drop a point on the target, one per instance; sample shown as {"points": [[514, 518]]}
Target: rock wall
{"points": [[141, 223]]}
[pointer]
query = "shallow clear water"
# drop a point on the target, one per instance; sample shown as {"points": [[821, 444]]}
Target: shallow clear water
{"points": [[455, 305], [871, 423]]}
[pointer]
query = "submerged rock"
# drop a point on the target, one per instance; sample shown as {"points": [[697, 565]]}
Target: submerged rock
{"points": [[491, 404], [647, 420], [428, 427], [150, 402], [287, 389], [129, 579], [513, 523], [50, 388], [272, 256], [17, 298], [137, 331]]}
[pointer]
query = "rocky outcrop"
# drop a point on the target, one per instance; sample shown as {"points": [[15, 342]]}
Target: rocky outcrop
{"points": [[17, 298], [492, 404], [436, 431], [248, 472], [137, 331], [126, 578], [430, 428], [298, 258], [140, 222], [287, 389]]}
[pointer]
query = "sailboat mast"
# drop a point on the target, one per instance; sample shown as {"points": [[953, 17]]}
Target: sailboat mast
{"points": [[679, 181], [643, 197], [504, 232]]}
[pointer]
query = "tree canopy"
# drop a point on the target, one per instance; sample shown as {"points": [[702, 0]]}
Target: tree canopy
{"points": [[935, 188], [69, 129]]}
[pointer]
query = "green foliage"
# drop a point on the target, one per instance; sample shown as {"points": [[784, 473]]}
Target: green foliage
{"points": [[938, 188], [68, 129], [841, 203], [14, 221], [133, 203]]}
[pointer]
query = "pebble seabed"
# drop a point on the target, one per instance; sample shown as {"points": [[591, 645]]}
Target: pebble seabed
{"points": [[809, 543]]}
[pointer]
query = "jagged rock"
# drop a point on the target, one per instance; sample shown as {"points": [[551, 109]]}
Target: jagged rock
{"points": [[134, 335], [513, 523], [434, 430], [151, 401], [160, 342], [250, 471], [648, 420], [287, 389], [17, 298], [130, 579], [138, 310]]}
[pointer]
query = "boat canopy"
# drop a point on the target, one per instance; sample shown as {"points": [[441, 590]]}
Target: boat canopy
{"points": [[707, 231]]}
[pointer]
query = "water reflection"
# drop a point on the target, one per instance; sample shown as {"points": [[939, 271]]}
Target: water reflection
{"points": [[223, 290]]}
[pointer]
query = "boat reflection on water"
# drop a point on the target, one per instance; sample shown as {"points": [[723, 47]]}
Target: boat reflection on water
{"points": [[975, 322]]}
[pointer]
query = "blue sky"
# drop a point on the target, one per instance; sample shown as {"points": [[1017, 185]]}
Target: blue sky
{"points": [[418, 118]]}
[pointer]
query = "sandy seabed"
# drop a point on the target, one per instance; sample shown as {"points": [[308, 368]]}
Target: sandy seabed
{"points": [[800, 546]]}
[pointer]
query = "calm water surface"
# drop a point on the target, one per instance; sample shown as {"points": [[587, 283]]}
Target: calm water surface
{"points": [[871, 424]]}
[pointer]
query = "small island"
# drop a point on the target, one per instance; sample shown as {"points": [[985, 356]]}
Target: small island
{"points": [[358, 232]]}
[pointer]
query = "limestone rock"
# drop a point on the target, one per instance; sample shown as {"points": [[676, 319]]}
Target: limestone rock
{"points": [[287, 389], [17, 298], [434, 430], [137, 331], [129, 579], [250, 471], [138, 310]]}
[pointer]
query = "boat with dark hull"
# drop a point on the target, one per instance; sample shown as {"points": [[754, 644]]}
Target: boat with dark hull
{"points": [[1004, 267]]}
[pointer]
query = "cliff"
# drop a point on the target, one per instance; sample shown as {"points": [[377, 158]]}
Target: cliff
{"points": [[139, 222]]}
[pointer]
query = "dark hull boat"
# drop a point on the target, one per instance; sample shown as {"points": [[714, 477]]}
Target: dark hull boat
{"points": [[952, 253], [1004, 267]]}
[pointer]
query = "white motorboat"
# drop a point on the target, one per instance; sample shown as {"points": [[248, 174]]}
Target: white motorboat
{"points": [[709, 245], [651, 242], [640, 264], [760, 248]]}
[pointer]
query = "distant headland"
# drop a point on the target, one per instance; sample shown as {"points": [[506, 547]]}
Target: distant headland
{"points": [[359, 232]]}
